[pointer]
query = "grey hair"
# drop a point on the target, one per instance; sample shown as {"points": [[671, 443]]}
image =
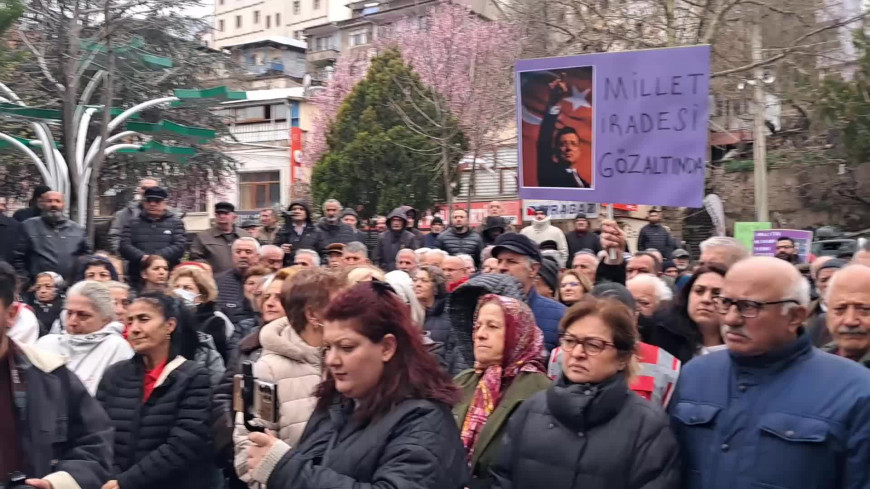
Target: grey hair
{"points": [[315, 257], [267, 248], [114, 284], [406, 251], [663, 292], [739, 251], [331, 201], [438, 251], [486, 253], [467, 259], [54, 276], [420, 251], [97, 293], [356, 247], [838, 276], [247, 239], [799, 290]]}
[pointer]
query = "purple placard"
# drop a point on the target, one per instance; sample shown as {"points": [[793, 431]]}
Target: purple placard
{"points": [[627, 127], [764, 241]]}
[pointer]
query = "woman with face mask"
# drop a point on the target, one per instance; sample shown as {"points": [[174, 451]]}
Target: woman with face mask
{"points": [[508, 370], [197, 290], [588, 430], [382, 415], [159, 402]]}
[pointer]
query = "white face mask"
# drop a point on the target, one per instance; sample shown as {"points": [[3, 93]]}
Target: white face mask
{"points": [[186, 296]]}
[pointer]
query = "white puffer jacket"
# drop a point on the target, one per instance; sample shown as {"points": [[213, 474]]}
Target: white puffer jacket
{"points": [[295, 366]]}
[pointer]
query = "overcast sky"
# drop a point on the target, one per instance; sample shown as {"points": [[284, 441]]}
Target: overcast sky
{"points": [[207, 8]]}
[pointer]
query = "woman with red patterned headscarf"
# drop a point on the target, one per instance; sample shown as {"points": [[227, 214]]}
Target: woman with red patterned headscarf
{"points": [[508, 369]]}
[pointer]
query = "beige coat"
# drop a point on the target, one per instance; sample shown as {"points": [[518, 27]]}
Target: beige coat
{"points": [[295, 366]]}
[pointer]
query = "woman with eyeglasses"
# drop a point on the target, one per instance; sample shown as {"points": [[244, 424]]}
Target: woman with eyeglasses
{"points": [[291, 357], [573, 286], [382, 417], [588, 430], [508, 370]]}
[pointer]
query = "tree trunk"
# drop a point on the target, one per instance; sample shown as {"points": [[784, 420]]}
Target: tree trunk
{"points": [[445, 174]]}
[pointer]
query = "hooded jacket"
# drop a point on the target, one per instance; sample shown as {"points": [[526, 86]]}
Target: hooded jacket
{"points": [[307, 239], [45, 248], [492, 223], [357, 234], [295, 366], [89, 355], [390, 242], [543, 230], [418, 235], [461, 306], [64, 432]]}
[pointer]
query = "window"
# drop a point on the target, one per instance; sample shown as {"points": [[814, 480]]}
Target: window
{"points": [[238, 21], [316, 4], [296, 7], [268, 21], [277, 20], [221, 25], [249, 114], [359, 38], [256, 16], [297, 34], [259, 189]]}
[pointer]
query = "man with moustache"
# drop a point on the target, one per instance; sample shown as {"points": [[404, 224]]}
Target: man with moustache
{"points": [[848, 316], [49, 242], [771, 410], [231, 292]]}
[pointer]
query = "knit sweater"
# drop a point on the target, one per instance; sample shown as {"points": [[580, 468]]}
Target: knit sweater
{"points": [[541, 231]]}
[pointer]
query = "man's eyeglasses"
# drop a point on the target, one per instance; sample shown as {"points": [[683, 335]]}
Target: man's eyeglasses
{"points": [[746, 308], [592, 346]]}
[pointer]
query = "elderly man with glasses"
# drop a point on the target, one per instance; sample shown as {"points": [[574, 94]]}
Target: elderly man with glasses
{"points": [[771, 411]]}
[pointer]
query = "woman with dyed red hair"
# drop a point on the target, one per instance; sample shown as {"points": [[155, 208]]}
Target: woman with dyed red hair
{"points": [[383, 412]]}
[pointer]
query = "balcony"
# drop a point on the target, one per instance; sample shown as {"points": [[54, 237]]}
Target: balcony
{"points": [[323, 57], [265, 69]]}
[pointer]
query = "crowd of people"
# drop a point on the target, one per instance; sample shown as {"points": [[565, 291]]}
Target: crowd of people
{"points": [[494, 357]]}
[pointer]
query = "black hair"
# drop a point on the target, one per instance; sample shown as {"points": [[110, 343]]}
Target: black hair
{"points": [[184, 340], [7, 284], [785, 238], [564, 132], [96, 261]]}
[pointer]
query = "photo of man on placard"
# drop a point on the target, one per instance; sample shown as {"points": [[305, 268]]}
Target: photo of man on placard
{"points": [[557, 128]]}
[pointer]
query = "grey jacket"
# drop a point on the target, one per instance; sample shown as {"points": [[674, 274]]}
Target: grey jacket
{"points": [[214, 246], [42, 248]]}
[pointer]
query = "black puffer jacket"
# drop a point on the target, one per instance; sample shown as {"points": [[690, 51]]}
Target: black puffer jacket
{"points": [[456, 243], [288, 235], [163, 443], [581, 436], [145, 236], [414, 446], [437, 321], [585, 241], [231, 297], [461, 305], [390, 242]]}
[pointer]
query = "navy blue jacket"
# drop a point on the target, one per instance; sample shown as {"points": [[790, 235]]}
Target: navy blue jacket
{"points": [[794, 418], [547, 313]]}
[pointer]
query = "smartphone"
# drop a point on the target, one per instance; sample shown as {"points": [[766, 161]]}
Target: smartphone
{"points": [[266, 401], [238, 393]]}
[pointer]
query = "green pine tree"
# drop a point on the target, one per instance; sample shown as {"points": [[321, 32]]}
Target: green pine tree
{"points": [[381, 153]]}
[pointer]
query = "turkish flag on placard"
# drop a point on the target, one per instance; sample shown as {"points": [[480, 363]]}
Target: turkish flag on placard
{"points": [[576, 112]]}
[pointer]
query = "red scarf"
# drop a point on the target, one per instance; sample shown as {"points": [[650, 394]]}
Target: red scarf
{"points": [[151, 377]]}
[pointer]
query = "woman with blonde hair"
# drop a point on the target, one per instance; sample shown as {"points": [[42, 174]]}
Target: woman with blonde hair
{"points": [[588, 427], [363, 273], [573, 286], [197, 289]]}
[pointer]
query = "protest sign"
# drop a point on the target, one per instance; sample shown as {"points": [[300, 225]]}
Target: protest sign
{"points": [[615, 127], [559, 209], [745, 231], [764, 241]]}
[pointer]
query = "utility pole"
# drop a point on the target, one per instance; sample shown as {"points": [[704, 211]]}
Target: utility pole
{"points": [[759, 142]]}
